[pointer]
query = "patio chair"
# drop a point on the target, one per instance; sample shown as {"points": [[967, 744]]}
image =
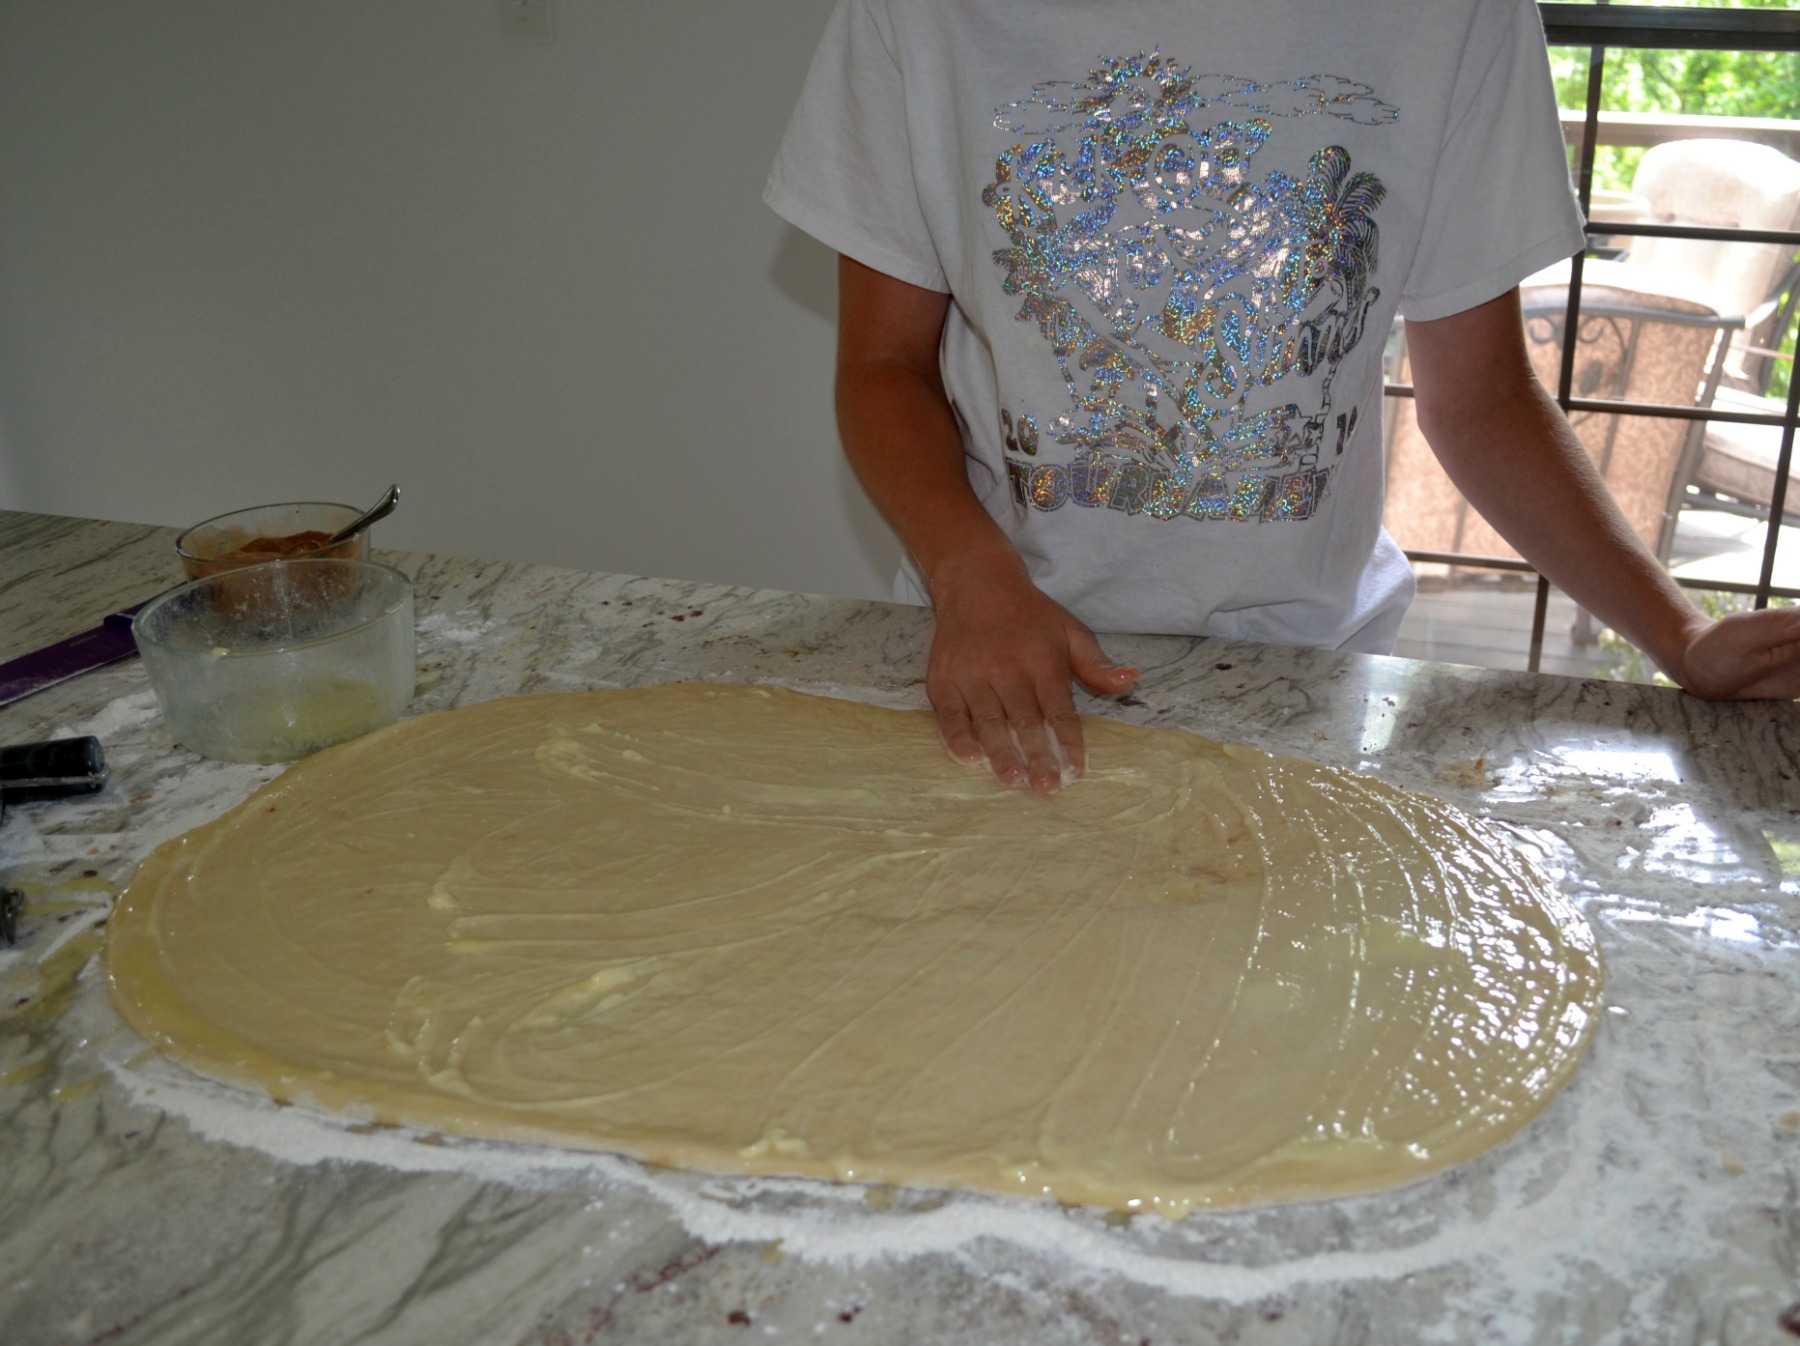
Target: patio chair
{"points": [[1732, 184], [1637, 345], [1726, 184], [1736, 470]]}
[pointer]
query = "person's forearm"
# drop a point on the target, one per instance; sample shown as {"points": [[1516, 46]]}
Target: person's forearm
{"points": [[1003, 653], [1512, 453], [1515, 457], [901, 439]]}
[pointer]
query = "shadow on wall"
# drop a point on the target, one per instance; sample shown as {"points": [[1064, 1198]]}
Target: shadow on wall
{"points": [[805, 271]]}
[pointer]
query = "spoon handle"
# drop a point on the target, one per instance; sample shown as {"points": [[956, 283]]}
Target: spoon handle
{"points": [[379, 510]]}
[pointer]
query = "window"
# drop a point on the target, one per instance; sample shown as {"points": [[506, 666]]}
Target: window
{"points": [[1685, 146]]}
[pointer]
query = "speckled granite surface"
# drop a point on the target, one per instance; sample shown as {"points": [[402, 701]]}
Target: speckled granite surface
{"points": [[1654, 1202]]}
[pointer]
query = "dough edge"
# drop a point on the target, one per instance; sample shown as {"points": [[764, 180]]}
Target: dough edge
{"points": [[152, 1007]]}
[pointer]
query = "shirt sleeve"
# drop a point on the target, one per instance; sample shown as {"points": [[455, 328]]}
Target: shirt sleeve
{"points": [[845, 171], [1501, 205]]}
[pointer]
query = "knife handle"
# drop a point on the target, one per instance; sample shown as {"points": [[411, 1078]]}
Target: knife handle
{"points": [[48, 770]]}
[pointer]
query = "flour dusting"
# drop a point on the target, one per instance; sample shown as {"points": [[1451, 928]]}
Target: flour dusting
{"points": [[1664, 1167], [1544, 1212]]}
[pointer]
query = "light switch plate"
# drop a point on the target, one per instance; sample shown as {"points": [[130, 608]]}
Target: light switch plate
{"points": [[524, 20]]}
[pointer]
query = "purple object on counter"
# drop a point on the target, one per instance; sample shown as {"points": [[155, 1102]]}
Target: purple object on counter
{"points": [[107, 643]]}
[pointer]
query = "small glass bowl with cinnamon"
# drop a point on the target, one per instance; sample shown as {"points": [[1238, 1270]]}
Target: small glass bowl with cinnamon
{"points": [[297, 530]]}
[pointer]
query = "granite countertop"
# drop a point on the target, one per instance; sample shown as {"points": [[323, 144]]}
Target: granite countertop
{"points": [[1654, 1201]]}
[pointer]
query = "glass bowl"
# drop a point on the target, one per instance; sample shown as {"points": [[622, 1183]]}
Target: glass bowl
{"points": [[273, 661], [247, 537]]}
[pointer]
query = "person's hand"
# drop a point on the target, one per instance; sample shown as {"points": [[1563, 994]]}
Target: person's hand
{"points": [[1745, 656], [1002, 660]]}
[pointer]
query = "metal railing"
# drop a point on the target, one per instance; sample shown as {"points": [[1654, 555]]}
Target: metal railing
{"points": [[1637, 26]]}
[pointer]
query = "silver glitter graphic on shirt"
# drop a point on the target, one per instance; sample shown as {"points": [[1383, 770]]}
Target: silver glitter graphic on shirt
{"points": [[1174, 285]]}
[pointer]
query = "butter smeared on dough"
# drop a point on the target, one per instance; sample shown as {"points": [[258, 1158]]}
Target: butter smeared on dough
{"points": [[747, 930]]}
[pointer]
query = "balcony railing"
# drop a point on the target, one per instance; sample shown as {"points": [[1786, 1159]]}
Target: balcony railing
{"points": [[1619, 26], [1642, 129]]}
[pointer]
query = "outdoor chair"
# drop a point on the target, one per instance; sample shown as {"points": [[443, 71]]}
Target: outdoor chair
{"points": [[1637, 345], [1726, 184], [1736, 472], [1732, 184]]}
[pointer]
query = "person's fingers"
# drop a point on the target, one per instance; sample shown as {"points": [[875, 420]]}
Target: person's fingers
{"points": [[1031, 731], [957, 730], [1099, 675], [1064, 727], [971, 715], [1097, 672], [1769, 657], [994, 731], [1747, 656], [1000, 680], [1775, 676]]}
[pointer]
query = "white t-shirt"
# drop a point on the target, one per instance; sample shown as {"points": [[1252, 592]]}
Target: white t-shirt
{"points": [[1176, 233]]}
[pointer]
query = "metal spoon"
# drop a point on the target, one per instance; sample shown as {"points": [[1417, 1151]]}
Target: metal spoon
{"points": [[379, 510]]}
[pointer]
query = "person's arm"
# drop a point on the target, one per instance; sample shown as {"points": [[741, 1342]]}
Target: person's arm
{"points": [[1506, 444], [1003, 654]]}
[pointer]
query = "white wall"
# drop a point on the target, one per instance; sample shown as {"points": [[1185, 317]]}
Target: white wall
{"points": [[260, 250]]}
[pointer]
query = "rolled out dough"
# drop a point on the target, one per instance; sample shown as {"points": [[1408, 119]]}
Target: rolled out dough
{"points": [[746, 930]]}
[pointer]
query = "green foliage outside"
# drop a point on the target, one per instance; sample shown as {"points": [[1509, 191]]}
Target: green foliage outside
{"points": [[1698, 83], [1625, 662]]}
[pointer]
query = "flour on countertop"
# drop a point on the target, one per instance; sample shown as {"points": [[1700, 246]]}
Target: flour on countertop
{"points": [[1678, 1123], [440, 626], [1571, 1201], [131, 712]]}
